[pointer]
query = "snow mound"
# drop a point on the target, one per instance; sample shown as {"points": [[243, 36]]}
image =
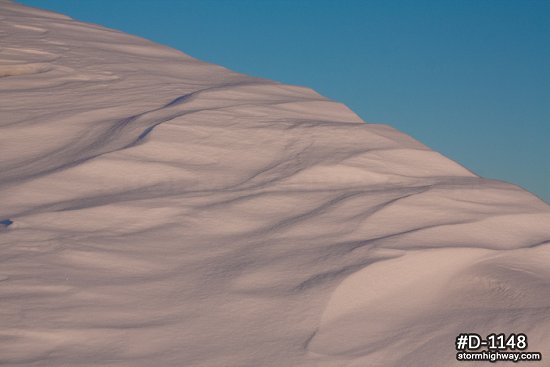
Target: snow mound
{"points": [[169, 212]]}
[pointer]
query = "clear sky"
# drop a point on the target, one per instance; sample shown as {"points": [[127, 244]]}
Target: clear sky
{"points": [[469, 78]]}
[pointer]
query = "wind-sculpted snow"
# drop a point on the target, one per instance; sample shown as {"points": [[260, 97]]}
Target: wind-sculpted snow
{"points": [[161, 211]]}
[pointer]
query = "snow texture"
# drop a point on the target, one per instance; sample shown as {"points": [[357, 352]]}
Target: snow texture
{"points": [[164, 211]]}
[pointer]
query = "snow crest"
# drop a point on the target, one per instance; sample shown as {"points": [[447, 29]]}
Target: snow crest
{"points": [[168, 212]]}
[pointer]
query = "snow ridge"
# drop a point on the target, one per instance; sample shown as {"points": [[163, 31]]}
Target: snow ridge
{"points": [[165, 211]]}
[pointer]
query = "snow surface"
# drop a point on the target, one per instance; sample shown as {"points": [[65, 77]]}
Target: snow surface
{"points": [[170, 212]]}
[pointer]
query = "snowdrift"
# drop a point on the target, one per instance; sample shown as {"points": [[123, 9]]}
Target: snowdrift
{"points": [[161, 211]]}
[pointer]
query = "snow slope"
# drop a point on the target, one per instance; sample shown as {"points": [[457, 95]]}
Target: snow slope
{"points": [[170, 212]]}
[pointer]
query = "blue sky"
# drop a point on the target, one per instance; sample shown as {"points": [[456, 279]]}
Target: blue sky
{"points": [[469, 78]]}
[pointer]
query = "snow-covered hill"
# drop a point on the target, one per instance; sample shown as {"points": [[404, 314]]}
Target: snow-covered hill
{"points": [[169, 212]]}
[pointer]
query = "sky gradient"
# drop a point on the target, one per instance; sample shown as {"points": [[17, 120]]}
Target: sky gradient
{"points": [[469, 78]]}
